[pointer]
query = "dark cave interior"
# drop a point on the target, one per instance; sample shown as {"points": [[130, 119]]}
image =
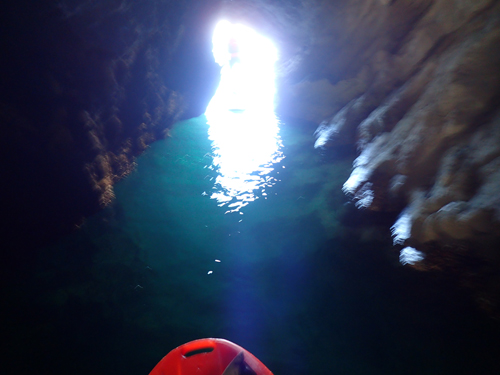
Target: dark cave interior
{"points": [[408, 90]]}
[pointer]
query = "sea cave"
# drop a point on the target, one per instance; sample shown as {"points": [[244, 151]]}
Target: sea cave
{"points": [[317, 181]]}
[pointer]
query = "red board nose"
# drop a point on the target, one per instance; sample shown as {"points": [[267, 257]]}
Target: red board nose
{"points": [[206, 357]]}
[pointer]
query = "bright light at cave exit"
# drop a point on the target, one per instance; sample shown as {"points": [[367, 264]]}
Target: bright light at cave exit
{"points": [[243, 127]]}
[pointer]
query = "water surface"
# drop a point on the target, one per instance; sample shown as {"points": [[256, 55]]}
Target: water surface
{"points": [[272, 257]]}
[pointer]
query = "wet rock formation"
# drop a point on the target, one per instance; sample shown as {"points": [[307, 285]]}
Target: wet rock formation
{"points": [[415, 87]]}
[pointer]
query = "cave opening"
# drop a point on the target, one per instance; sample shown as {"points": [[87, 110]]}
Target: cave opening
{"points": [[247, 62], [243, 128]]}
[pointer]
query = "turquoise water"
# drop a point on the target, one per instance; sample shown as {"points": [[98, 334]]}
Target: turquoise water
{"points": [[289, 270]]}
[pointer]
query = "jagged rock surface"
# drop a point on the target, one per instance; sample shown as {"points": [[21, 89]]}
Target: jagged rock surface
{"points": [[86, 87], [419, 98]]}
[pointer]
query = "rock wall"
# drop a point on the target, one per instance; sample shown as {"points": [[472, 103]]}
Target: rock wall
{"points": [[86, 87], [415, 87]]}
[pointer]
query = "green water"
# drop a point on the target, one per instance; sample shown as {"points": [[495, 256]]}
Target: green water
{"points": [[295, 277]]}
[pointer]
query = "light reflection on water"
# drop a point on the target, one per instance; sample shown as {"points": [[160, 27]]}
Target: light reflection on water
{"points": [[243, 127], [246, 148]]}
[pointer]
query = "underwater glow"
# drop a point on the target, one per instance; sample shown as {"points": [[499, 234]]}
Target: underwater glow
{"points": [[243, 127]]}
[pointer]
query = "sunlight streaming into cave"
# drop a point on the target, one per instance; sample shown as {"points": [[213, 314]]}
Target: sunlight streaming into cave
{"points": [[243, 127]]}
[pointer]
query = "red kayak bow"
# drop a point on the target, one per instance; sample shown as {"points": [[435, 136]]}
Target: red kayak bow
{"points": [[210, 357]]}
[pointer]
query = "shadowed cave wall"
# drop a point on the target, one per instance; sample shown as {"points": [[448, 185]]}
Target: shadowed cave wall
{"points": [[86, 87], [411, 87]]}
